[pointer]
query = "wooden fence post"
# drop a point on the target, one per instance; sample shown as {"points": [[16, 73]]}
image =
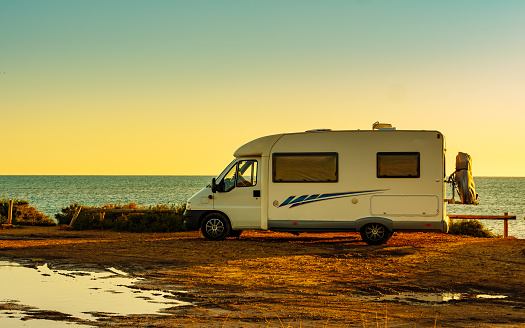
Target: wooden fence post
{"points": [[505, 226], [10, 212], [75, 216]]}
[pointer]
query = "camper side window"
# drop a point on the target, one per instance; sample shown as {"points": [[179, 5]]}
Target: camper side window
{"points": [[398, 165], [305, 167]]}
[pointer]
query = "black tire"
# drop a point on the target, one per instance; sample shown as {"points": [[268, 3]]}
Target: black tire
{"points": [[235, 233], [375, 234], [215, 226]]}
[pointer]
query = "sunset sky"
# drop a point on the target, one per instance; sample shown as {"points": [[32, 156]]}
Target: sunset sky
{"points": [[124, 87]]}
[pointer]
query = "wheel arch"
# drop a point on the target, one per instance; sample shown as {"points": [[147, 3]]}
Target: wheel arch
{"points": [[388, 223], [203, 215]]}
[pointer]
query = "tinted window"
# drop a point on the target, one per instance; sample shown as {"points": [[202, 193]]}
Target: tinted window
{"points": [[398, 165], [305, 167]]}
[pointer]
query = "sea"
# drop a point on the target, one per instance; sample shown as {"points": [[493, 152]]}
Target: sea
{"points": [[49, 194]]}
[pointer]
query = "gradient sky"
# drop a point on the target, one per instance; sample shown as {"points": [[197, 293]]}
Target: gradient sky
{"points": [[175, 87]]}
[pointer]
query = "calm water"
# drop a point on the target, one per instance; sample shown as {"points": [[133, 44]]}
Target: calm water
{"points": [[50, 193], [497, 196]]}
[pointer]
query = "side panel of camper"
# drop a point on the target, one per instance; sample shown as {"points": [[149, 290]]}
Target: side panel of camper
{"points": [[339, 181]]}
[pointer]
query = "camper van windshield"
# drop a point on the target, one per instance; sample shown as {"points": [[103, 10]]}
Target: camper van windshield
{"points": [[225, 170], [305, 167]]}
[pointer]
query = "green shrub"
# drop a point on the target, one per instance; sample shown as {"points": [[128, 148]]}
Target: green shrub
{"points": [[67, 214], [156, 221], [23, 214], [471, 228]]}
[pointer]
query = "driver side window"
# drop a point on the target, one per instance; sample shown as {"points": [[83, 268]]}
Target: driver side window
{"points": [[242, 174], [246, 174]]}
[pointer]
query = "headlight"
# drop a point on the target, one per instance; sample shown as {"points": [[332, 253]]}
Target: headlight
{"points": [[188, 205]]}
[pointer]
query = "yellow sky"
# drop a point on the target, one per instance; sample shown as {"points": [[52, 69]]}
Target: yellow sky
{"points": [[173, 88]]}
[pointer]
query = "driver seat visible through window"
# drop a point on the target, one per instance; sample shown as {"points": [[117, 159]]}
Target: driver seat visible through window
{"points": [[246, 174]]}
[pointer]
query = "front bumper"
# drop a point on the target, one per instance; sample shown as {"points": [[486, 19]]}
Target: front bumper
{"points": [[192, 219]]}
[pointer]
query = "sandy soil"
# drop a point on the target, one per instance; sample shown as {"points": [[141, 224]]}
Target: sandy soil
{"points": [[266, 279]]}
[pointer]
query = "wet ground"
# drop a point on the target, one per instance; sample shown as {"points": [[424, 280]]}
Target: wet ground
{"points": [[265, 279], [86, 295]]}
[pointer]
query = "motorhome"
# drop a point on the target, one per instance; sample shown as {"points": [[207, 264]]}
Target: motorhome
{"points": [[373, 182]]}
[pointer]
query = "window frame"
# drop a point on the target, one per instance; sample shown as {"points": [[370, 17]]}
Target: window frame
{"points": [[253, 169], [304, 154], [234, 166], [400, 153]]}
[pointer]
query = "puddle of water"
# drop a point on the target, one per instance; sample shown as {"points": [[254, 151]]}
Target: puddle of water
{"points": [[77, 293], [13, 319], [434, 297]]}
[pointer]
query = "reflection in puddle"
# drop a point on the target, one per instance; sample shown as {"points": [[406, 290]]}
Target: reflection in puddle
{"points": [[434, 297], [75, 293], [14, 319]]}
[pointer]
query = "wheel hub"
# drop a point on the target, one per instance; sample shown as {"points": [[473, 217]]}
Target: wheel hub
{"points": [[375, 232], [214, 227]]}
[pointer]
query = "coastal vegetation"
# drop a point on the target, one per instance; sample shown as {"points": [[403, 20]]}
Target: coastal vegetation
{"points": [[158, 218], [470, 228], [23, 214]]}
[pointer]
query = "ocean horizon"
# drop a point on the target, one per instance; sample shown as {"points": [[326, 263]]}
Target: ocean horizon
{"points": [[50, 193]]}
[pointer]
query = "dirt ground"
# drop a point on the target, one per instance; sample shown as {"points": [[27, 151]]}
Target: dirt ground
{"points": [[266, 279]]}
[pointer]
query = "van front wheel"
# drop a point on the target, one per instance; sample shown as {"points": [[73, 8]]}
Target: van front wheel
{"points": [[375, 234], [215, 226]]}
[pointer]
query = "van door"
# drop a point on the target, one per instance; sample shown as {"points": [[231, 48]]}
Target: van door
{"points": [[239, 195]]}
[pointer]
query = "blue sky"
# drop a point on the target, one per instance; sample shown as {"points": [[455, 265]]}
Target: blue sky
{"points": [[174, 87]]}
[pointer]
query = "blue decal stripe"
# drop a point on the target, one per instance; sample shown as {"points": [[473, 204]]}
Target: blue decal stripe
{"points": [[334, 194], [314, 201], [299, 199], [308, 199], [312, 197], [287, 201], [319, 200]]}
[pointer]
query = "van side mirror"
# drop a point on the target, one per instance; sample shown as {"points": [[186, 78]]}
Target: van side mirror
{"points": [[213, 186]]}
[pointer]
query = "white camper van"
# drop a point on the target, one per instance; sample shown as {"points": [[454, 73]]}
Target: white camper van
{"points": [[370, 181]]}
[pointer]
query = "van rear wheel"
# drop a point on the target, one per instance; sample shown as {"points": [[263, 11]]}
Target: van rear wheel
{"points": [[375, 234], [215, 226]]}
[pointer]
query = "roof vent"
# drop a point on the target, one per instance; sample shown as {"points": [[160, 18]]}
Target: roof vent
{"points": [[382, 126]]}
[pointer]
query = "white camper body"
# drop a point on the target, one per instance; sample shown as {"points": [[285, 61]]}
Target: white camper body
{"points": [[371, 181]]}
